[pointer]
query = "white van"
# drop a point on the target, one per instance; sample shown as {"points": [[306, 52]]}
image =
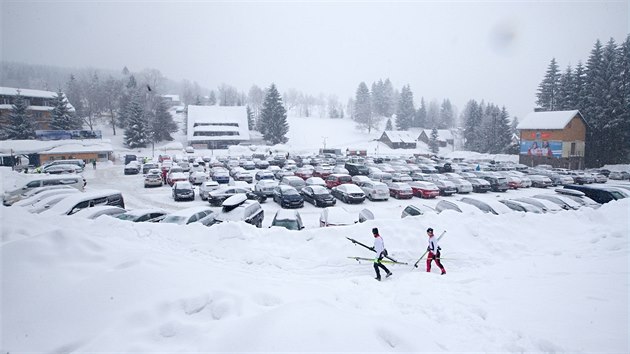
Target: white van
{"points": [[12, 196]]}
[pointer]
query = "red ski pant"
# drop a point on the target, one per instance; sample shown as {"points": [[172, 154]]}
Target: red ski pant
{"points": [[431, 257]]}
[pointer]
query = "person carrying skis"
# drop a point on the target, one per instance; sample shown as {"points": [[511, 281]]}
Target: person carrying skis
{"points": [[379, 247], [434, 252]]}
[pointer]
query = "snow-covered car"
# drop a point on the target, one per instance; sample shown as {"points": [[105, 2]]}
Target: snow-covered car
{"points": [[540, 181], [38, 194], [400, 190], [188, 215], [176, 177], [304, 173], [401, 177], [75, 202], [375, 190], [545, 205], [423, 189], [132, 168], [360, 179], [417, 210], [349, 193], [245, 176], [287, 197], [289, 219], [462, 185], [217, 197], [487, 206], [97, 211], [479, 185], [522, 207], [336, 216], [563, 202], [207, 187], [293, 181], [63, 168], [183, 190], [319, 196], [142, 215], [260, 175], [239, 208], [315, 181], [265, 187], [47, 202], [197, 177], [153, 180]]}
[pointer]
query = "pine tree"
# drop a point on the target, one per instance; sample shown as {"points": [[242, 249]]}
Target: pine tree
{"points": [[421, 115], [447, 116], [363, 108], [136, 132], [566, 97], [548, 88], [596, 89], [212, 99], [160, 121], [579, 83], [504, 132], [472, 126], [250, 118], [388, 125], [610, 121], [125, 98], [624, 89], [60, 116], [74, 94], [406, 112], [274, 117], [20, 123], [434, 145]]}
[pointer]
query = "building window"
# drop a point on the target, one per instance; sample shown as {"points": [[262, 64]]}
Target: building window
{"points": [[572, 149]]}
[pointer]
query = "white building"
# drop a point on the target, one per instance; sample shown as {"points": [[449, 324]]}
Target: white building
{"points": [[216, 127]]}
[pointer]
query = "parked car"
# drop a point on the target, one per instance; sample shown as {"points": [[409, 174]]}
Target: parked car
{"points": [[457, 206], [578, 197], [582, 177], [46, 181], [149, 166], [355, 169], [132, 168], [558, 179], [487, 206], [315, 181], [217, 197], [37, 194], [75, 202], [336, 179], [416, 210], [97, 211], [359, 180], [265, 187], [142, 215], [176, 177], [245, 176], [479, 185], [78, 162], [289, 219], [197, 177], [293, 181], [183, 190], [498, 184], [207, 187], [63, 168], [336, 216], [401, 177], [521, 206], [348, 193], [304, 173], [461, 185], [189, 215], [600, 194], [317, 195], [239, 208], [375, 190], [221, 176], [153, 180], [400, 190], [384, 177], [287, 197], [262, 164], [424, 189], [540, 181], [564, 203], [446, 187], [545, 205], [47, 202], [264, 174], [322, 171]]}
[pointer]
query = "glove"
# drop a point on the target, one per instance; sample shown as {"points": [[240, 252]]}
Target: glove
{"points": [[439, 248], [428, 248]]}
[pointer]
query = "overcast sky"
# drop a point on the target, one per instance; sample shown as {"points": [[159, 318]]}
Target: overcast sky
{"points": [[492, 50]]}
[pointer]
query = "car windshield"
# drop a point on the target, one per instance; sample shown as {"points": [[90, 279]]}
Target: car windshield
{"points": [[174, 219], [320, 191], [289, 224], [126, 217], [290, 192]]}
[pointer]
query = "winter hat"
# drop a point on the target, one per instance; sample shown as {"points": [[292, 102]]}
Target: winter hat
{"points": [[375, 231], [429, 230]]}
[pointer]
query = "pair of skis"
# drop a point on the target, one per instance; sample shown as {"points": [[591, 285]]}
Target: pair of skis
{"points": [[390, 259]]}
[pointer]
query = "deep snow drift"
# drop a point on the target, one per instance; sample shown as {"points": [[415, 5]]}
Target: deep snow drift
{"points": [[517, 282]]}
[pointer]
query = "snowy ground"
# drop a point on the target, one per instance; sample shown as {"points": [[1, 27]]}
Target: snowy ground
{"points": [[515, 282]]}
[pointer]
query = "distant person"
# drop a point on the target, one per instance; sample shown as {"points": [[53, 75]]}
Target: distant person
{"points": [[94, 164], [379, 247], [434, 252]]}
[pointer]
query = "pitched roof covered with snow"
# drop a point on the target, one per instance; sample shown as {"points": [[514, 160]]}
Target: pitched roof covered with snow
{"points": [[11, 91], [54, 146], [548, 120], [217, 119], [400, 136]]}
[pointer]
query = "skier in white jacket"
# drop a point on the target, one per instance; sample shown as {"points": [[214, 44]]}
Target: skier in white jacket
{"points": [[379, 247], [434, 252]]}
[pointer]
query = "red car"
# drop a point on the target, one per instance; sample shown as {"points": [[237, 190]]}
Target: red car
{"points": [[337, 179], [424, 189], [304, 173], [400, 190]]}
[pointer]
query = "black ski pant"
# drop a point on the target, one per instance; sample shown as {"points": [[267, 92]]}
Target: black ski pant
{"points": [[378, 264]]}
